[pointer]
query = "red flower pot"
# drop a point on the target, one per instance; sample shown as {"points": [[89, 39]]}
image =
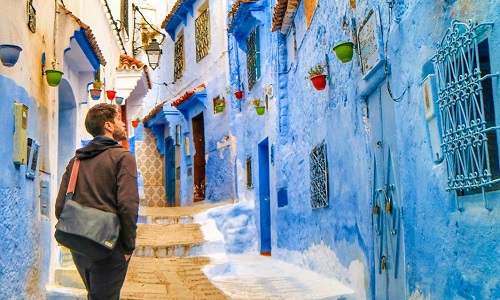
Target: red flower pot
{"points": [[110, 94], [238, 94], [319, 82], [135, 123]]}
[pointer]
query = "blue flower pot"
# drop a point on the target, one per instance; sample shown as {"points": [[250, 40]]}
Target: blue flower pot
{"points": [[9, 54]]}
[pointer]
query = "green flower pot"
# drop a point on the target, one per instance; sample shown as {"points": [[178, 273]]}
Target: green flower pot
{"points": [[54, 77], [344, 51], [260, 110], [219, 108]]}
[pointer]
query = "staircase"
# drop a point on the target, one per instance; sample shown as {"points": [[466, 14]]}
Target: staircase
{"points": [[170, 254]]}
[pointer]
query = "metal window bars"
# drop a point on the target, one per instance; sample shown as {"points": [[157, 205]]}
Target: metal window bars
{"points": [[202, 33], [252, 58], [462, 109], [319, 176], [179, 57]]}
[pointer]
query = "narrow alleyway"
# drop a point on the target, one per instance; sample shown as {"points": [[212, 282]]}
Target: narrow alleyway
{"points": [[174, 256]]}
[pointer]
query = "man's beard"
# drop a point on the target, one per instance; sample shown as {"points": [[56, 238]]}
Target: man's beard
{"points": [[119, 134]]}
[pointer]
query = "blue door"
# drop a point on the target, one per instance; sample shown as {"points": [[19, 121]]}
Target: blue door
{"points": [[170, 171], [264, 199], [389, 268]]}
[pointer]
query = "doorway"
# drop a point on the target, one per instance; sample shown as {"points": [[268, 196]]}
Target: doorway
{"points": [[170, 171], [264, 199], [387, 203], [199, 158]]}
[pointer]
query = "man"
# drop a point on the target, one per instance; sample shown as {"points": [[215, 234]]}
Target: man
{"points": [[107, 180]]}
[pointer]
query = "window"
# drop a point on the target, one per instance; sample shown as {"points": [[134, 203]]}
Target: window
{"points": [[179, 56], [249, 172], [253, 58], [319, 176], [467, 109], [202, 33]]}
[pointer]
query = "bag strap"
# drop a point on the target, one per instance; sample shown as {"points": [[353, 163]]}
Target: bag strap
{"points": [[72, 179]]}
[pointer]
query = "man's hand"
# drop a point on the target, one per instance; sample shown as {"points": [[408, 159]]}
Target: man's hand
{"points": [[127, 257]]}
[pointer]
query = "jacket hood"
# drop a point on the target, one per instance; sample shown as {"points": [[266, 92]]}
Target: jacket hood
{"points": [[96, 146]]}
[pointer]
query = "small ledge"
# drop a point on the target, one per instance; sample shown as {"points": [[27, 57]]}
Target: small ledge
{"points": [[198, 98], [247, 16]]}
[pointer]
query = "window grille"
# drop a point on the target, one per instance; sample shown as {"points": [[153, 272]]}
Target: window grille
{"points": [[253, 58], [249, 172], [179, 57], [319, 176], [202, 32], [466, 109]]}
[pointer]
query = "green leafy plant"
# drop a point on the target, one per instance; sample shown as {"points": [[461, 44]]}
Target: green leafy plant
{"points": [[97, 84], [316, 70], [219, 102], [256, 102]]}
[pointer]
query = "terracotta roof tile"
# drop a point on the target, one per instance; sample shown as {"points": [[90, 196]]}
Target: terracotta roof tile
{"points": [[153, 112], [88, 33], [179, 101], [187, 95], [172, 13], [129, 63], [283, 14]]}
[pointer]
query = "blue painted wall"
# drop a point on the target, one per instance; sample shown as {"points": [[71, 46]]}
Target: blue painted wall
{"points": [[23, 231], [449, 254]]}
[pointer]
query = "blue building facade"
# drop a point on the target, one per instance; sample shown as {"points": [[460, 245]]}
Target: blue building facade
{"points": [[372, 180]]}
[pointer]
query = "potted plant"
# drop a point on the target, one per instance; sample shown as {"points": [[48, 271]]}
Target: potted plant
{"points": [[135, 122], [219, 104], [119, 100], [317, 76], [344, 51], [53, 76], [259, 108], [9, 54], [237, 93], [95, 93]]}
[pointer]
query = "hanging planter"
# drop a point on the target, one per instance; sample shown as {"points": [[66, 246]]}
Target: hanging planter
{"points": [[219, 108], [259, 108], [319, 82], [53, 77], [110, 94], [135, 122], [318, 77], [344, 51], [119, 100], [9, 54], [238, 94], [95, 94]]}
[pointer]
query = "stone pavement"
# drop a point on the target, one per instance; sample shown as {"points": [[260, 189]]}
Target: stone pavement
{"points": [[173, 254]]}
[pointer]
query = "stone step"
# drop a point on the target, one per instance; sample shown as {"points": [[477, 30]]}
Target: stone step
{"points": [[57, 292], [172, 215], [160, 240], [69, 277], [168, 278]]}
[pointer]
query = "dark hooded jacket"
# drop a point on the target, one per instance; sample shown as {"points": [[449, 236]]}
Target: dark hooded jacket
{"points": [[107, 180]]}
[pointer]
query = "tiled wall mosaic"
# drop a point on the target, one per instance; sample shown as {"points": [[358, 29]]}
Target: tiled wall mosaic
{"points": [[150, 163]]}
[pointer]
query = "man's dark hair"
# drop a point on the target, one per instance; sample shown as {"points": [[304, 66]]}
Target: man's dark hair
{"points": [[97, 116]]}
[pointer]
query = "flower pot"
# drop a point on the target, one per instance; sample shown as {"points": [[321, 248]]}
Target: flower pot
{"points": [[260, 110], [119, 100], [219, 108], [9, 54], [110, 94], [135, 123], [344, 51], [238, 94], [54, 77], [319, 81], [95, 94]]}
